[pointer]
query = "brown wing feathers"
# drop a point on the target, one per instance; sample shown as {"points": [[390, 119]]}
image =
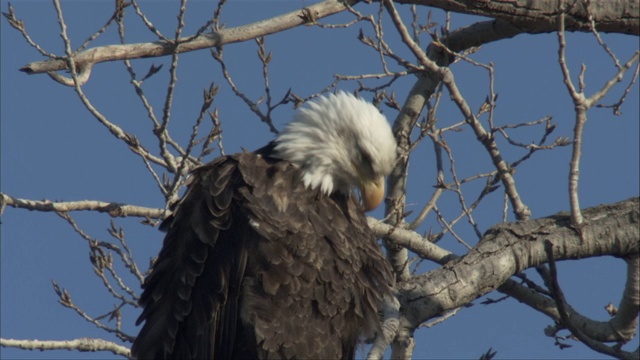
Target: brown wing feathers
{"points": [[254, 265], [190, 278]]}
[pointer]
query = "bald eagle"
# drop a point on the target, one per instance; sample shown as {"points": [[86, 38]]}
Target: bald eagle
{"points": [[268, 254]]}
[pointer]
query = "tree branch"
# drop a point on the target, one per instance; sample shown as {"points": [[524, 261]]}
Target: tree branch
{"points": [[540, 16], [81, 344], [391, 312], [507, 249], [410, 240], [92, 56], [569, 322], [582, 104], [617, 329], [442, 73], [111, 208], [625, 322]]}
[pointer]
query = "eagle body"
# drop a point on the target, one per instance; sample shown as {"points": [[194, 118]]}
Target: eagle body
{"points": [[259, 264]]}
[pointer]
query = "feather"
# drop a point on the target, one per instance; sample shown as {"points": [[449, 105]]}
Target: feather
{"points": [[256, 263]]}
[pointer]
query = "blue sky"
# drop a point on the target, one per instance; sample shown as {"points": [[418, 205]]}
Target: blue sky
{"points": [[52, 148]]}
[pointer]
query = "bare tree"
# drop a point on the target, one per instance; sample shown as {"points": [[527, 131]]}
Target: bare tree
{"points": [[419, 65]]}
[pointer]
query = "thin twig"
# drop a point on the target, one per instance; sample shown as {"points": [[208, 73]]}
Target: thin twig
{"points": [[147, 22], [253, 106], [446, 76], [616, 107], [20, 26], [65, 300], [183, 169], [103, 29], [581, 105], [449, 227], [131, 141]]}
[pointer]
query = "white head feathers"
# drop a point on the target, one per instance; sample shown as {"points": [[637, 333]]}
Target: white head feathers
{"points": [[339, 141]]}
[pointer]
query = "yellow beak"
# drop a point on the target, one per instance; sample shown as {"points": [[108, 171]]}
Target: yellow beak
{"points": [[372, 193]]}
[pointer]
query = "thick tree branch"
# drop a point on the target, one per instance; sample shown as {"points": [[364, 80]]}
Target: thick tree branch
{"points": [[540, 16], [620, 328], [508, 249]]}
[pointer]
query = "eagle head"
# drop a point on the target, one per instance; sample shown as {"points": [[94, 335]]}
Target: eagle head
{"points": [[340, 142]]}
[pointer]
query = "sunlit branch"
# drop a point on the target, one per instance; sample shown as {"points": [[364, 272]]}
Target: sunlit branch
{"points": [[410, 240], [389, 326], [604, 90], [521, 246], [616, 107], [581, 105], [531, 297], [218, 38], [113, 209], [81, 344]]}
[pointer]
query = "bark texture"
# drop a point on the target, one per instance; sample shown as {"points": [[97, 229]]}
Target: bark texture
{"points": [[507, 249], [541, 16]]}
